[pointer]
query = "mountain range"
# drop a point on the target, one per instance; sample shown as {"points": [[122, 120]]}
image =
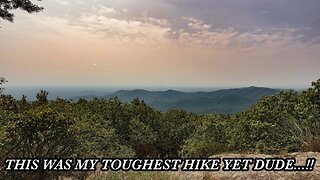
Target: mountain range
{"points": [[226, 101]]}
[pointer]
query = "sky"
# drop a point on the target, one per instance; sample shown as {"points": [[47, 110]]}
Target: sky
{"points": [[190, 43]]}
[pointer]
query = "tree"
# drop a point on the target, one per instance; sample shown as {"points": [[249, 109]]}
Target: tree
{"points": [[37, 133], [308, 113], [269, 126], [309, 108], [7, 6], [175, 128], [42, 96], [2, 81], [97, 136], [23, 104], [208, 139]]}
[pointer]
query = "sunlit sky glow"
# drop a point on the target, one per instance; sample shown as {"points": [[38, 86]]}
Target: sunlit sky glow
{"points": [[163, 43]]}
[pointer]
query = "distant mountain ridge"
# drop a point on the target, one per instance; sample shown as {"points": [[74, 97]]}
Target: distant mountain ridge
{"points": [[226, 101]]}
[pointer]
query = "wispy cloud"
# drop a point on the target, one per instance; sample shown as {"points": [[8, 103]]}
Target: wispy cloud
{"points": [[201, 33], [113, 24], [63, 2], [177, 42], [120, 26]]}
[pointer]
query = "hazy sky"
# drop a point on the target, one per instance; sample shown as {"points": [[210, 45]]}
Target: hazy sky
{"points": [[163, 43]]}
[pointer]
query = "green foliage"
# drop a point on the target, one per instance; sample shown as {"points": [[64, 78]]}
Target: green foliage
{"points": [[7, 102], [40, 132], [308, 109], [140, 133], [2, 81], [175, 128], [36, 133], [268, 127], [208, 139], [285, 122], [23, 104], [98, 138], [42, 97]]}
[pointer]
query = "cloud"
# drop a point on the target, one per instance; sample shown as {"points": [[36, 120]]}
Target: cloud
{"points": [[178, 49], [196, 24], [120, 26], [127, 24], [109, 24], [103, 10], [63, 2], [200, 33]]}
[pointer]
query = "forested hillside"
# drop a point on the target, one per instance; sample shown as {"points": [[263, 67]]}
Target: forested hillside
{"points": [[226, 101], [285, 122]]}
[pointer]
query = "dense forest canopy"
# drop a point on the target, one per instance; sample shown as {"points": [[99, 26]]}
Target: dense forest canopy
{"points": [[286, 122], [226, 101]]}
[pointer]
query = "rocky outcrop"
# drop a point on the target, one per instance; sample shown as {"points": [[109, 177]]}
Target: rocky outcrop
{"points": [[264, 175]]}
